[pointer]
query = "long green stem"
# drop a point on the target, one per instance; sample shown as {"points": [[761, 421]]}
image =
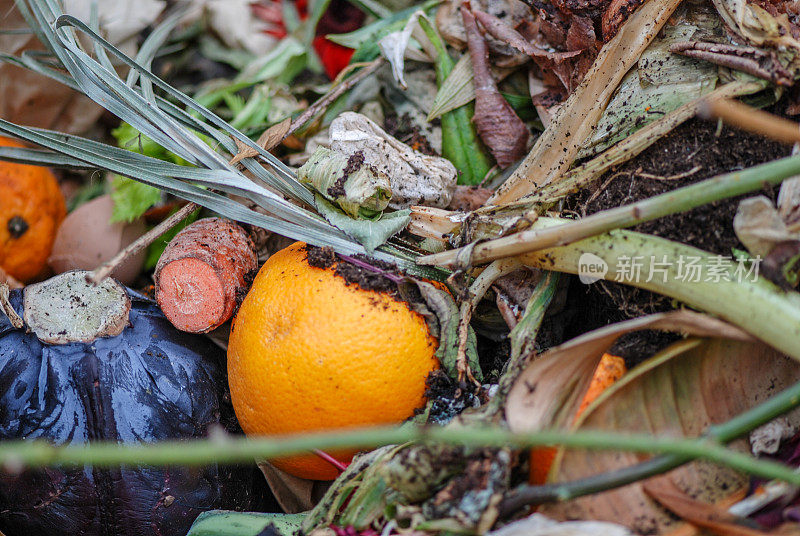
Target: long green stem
{"points": [[16, 454], [742, 424], [678, 200]]}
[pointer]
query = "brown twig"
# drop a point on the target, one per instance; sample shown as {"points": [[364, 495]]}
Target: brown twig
{"points": [[750, 60], [747, 118], [105, 269], [335, 92]]}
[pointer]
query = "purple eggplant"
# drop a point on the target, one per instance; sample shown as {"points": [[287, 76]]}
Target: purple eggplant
{"points": [[147, 383]]}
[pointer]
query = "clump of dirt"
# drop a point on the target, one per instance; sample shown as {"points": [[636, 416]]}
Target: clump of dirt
{"points": [[446, 398], [354, 163], [692, 152], [366, 279], [367, 274], [320, 257]]}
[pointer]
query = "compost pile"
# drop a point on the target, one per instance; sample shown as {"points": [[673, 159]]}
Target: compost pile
{"points": [[385, 267]]}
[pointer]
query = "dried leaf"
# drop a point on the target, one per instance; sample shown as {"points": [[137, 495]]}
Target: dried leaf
{"points": [[357, 188], [498, 125], [556, 148], [759, 226], [548, 393], [755, 24], [393, 47], [679, 392], [415, 178], [294, 494], [705, 515], [268, 140], [458, 89]]}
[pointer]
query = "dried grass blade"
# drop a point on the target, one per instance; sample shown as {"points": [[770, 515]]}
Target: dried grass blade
{"points": [[556, 148]]}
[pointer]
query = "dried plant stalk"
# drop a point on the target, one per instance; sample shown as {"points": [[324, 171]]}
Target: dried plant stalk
{"points": [[556, 148]]}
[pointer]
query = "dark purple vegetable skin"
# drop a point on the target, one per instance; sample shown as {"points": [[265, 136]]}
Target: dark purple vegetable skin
{"points": [[150, 383]]}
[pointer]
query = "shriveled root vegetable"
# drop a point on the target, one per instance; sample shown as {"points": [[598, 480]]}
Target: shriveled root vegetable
{"points": [[201, 272], [610, 369]]}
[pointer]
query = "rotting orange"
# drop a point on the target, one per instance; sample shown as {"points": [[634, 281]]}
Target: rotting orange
{"points": [[610, 369], [309, 351], [31, 209]]}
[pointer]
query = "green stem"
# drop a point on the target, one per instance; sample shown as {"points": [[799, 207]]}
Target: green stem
{"points": [[18, 454], [738, 426], [678, 200]]}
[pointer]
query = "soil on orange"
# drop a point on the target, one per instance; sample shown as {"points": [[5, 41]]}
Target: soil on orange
{"points": [[310, 352], [31, 209]]}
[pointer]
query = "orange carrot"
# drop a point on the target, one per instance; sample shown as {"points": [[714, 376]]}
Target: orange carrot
{"points": [[200, 273], [610, 369]]}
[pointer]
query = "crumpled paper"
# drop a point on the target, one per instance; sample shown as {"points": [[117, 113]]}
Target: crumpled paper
{"points": [[416, 178]]}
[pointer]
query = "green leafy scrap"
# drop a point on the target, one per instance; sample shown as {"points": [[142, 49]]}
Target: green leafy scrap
{"points": [[131, 198]]}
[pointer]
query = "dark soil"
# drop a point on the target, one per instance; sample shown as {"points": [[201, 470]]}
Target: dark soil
{"points": [[354, 163], [692, 152], [368, 274]]}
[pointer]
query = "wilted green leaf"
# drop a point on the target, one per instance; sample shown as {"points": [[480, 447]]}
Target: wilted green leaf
{"points": [[661, 83], [368, 233], [458, 89], [443, 306]]}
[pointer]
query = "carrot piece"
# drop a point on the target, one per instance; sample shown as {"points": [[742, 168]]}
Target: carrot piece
{"points": [[201, 272], [610, 369]]}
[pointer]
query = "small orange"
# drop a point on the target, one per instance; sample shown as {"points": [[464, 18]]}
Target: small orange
{"points": [[31, 209], [308, 352], [610, 369]]}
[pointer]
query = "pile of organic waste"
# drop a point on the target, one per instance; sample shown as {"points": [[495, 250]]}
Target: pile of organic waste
{"points": [[398, 267]]}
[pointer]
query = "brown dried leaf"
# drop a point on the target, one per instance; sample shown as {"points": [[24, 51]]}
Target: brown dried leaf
{"points": [[557, 147], [550, 390], [679, 392], [709, 516], [294, 494], [497, 124], [268, 140]]}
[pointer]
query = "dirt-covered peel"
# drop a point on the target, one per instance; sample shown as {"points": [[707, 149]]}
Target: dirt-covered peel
{"points": [[69, 308]]}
